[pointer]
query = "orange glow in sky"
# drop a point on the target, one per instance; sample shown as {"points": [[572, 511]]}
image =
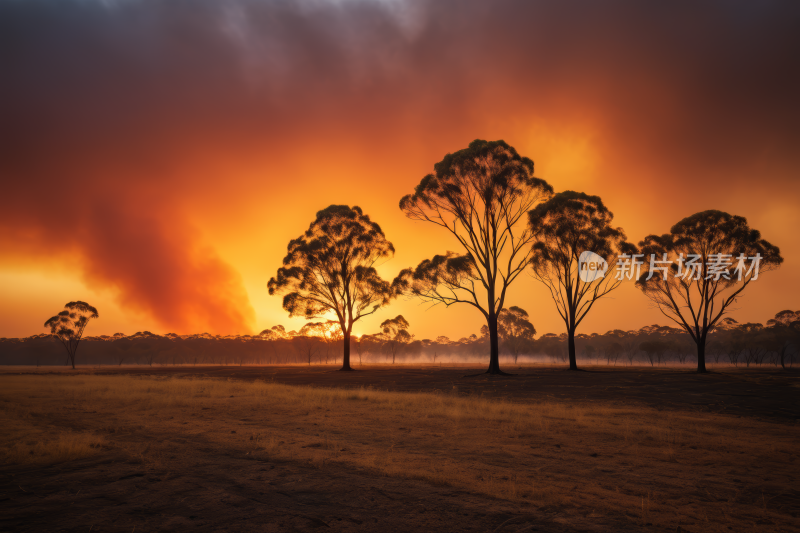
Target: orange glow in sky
{"points": [[156, 161]]}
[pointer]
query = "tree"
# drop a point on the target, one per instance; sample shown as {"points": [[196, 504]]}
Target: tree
{"points": [[696, 272], [395, 333], [369, 344], [630, 348], [309, 338], [574, 242], [554, 346], [332, 333], [786, 329], [613, 351], [784, 318], [122, 346], [358, 342], [444, 343], [331, 268], [515, 330], [275, 332], [328, 332], [751, 341], [478, 194], [590, 351], [654, 350], [149, 352], [68, 326], [272, 336]]}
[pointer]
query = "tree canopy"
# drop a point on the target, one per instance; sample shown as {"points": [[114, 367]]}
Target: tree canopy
{"points": [[395, 333], [697, 271], [785, 318], [569, 226], [786, 330], [68, 325], [274, 333], [479, 195], [515, 330], [331, 268]]}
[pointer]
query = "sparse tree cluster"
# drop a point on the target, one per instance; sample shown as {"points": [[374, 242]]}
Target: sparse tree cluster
{"points": [[504, 222], [774, 343]]}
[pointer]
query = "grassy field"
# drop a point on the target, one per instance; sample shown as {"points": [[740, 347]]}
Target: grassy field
{"points": [[570, 465]]}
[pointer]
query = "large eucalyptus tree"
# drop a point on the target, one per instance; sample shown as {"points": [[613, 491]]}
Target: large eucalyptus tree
{"points": [[574, 230], [696, 272], [479, 195], [331, 268]]}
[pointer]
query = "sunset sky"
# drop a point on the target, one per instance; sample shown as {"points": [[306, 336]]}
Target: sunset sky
{"points": [[156, 157]]}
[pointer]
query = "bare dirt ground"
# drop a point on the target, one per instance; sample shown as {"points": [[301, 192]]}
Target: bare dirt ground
{"points": [[232, 449]]}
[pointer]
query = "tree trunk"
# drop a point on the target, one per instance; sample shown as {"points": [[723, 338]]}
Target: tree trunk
{"points": [[573, 362], [494, 346], [701, 354], [346, 350]]}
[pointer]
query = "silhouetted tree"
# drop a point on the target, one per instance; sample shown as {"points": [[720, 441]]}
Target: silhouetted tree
{"points": [[654, 350], [395, 334], [357, 342], [515, 330], [443, 344], [784, 318], [479, 195], [786, 330], [751, 341], [694, 273], [555, 346], [150, 353], [630, 349], [590, 351], [565, 227], [275, 332], [328, 332], [371, 344], [332, 333], [122, 346], [272, 336], [309, 339], [331, 268], [68, 326], [613, 351]]}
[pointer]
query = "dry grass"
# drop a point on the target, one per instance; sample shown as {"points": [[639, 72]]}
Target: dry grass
{"points": [[65, 446], [25, 440], [655, 467]]}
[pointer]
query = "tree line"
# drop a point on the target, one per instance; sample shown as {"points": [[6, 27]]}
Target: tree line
{"points": [[774, 343], [505, 222]]}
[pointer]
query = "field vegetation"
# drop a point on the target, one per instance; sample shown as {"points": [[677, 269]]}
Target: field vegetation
{"points": [[568, 461]]}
